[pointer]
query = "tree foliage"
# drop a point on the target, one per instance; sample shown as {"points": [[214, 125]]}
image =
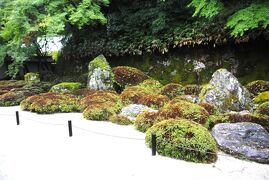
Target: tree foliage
{"points": [[25, 22]]}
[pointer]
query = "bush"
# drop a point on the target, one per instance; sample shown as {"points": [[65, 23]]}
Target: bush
{"points": [[186, 110], [189, 98], [192, 89], [153, 101], [125, 76], [99, 97], [183, 139], [145, 120], [66, 87], [262, 97], [51, 103], [172, 90], [11, 84], [121, 120], [258, 86]]}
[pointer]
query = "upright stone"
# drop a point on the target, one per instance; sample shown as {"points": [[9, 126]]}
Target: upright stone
{"points": [[100, 75], [226, 93]]}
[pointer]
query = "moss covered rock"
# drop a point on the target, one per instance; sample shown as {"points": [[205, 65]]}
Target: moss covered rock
{"points": [[32, 77], [226, 93], [263, 109], [13, 98], [126, 76], [66, 87], [11, 84], [183, 139], [100, 75], [258, 86], [172, 90], [192, 89], [210, 108], [262, 97], [51, 103], [121, 120]]}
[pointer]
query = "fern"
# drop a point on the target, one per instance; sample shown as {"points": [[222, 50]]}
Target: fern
{"points": [[206, 8], [253, 17]]}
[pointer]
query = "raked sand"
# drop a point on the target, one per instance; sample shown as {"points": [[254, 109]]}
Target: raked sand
{"points": [[40, 151]]}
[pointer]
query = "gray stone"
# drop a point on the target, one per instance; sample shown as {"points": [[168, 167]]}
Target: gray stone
{"points": [[100, 76], [245, 140], [226, 93], [133, 110]]}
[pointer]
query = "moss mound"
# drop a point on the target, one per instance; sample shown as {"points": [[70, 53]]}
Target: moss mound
{"points": [[263, 109], [153, 100], [186, 110], [11, 84], [172, 90], [258, 86], [132, 94], [101, 111], [51, 103], [31, 77], [210, 108], [99, 97], [121, 120], [183, 139], [126, 76], [192, 89], [83, 92], [66, 87], [14, 97], [145, 120], [189, 98], [262, 97]]}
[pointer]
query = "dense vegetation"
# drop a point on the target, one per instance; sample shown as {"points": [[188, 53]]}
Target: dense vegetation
{"points": [[119, 27]]}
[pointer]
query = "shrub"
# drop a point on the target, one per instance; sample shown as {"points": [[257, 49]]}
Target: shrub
{"points": [[125, 76], [51, 103], [145, 120], [189, 98], [186, 110], [153, 101], [172, 90], [262, 97], [258, 86], [121, 120], [99, 97], [11, 84], [192, 89], [183, 139], [66, 87], [151, 84], [84, 92]]}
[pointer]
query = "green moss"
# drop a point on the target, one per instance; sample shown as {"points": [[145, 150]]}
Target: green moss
{"points": [[31, 76], [263, 109], [216, 119], [258, 86], [145, 120], [192, 89], [153, 100], [183, 139], [262, 97], [172, 90], [99, 61], [210, 108], [66, 87], [151, 84], [121, 120], [51, 103]]}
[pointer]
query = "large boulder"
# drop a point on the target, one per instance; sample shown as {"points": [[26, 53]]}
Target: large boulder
{"points": [[100, 75], [226, 93], [245, 140], [133, 110]]}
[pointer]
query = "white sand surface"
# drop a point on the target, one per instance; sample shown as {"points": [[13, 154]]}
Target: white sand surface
{"points": [[40, 151]]}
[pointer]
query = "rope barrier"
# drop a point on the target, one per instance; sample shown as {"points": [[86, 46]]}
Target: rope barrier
{"points": [[110, 135]]}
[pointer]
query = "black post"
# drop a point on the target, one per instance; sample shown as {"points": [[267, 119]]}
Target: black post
{"points": [[70, 128], [17, 118], [153, 144]]}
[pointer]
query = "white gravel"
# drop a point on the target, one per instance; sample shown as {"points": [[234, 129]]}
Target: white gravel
{"points": [[38, 151]]}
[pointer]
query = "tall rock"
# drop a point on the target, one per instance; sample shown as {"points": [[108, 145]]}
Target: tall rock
{"points": [[100, 76], [226, 93]]}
